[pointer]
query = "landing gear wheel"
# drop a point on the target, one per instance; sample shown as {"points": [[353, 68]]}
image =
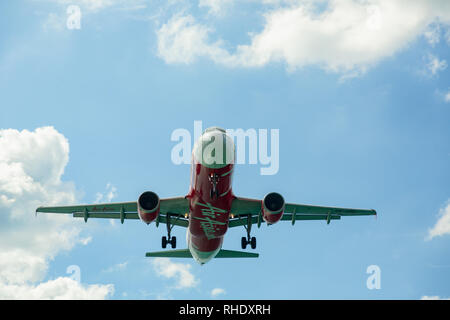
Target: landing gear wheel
{"points": [[249, 239], [243, 243], [164, 242], [173, 242], [253, 243]]}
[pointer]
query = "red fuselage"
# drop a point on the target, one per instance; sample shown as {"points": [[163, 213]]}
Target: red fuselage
{"points": [[210, 199]]}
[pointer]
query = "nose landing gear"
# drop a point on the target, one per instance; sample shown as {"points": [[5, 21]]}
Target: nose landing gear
{"points": [[214, 179]]}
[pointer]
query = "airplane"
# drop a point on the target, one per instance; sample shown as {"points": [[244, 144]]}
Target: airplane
{"points": [[210, 207]]}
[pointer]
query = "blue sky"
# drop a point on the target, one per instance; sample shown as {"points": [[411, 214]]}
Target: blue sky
{"points": [[362, 125]]}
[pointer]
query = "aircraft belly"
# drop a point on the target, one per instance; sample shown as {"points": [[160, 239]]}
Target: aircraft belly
{"points": [[208, 219]]}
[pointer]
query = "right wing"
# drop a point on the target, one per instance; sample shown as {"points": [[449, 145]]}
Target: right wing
{"points": [[244, 208], [177, 208]]}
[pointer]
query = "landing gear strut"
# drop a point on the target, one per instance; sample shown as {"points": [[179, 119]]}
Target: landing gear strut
{"points": [[169, 239], [249, 240]]}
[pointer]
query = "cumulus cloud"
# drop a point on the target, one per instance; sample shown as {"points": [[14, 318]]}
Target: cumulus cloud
{"points": [[180, 272], [62, 288], [447, 96], [346, 36], [433, 34], [31, 166], [442, 226], [96, 5], [183, 40], [117, 267], [215, 7], [109, 194], [435, 65], [217, 292]]}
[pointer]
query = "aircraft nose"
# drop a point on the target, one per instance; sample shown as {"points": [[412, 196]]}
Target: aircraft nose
{"points": [[214, 149], [212, 129]]}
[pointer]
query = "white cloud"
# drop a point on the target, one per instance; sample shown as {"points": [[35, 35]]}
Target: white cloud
{"points": [[117, 267], [346, 37], [58, 21], [447, 36], [88, 5], [217, 291], [97, 5], [178, 271], [85, 241], [19, 266], [442, 226], [435, 65], [447, 96], [31, 166], [58, 289], [94, 4], [54, 22], [109, 194], [433, 298], [183, 40], [433, 34], [215, 7]]}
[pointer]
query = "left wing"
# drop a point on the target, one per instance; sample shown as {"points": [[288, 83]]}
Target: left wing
{"points": [[177, 207], [243, 209]]}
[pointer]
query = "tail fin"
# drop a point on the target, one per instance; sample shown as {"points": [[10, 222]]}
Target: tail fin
{"points": [[185, 253]]}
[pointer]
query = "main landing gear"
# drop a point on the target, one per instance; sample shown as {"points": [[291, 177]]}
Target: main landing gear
{"points": [[172, 241], [246, 241], [249, 240], [169, 239]]}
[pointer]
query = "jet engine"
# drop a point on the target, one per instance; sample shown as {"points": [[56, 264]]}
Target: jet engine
{"points": [[272, 207], [148, 206]]}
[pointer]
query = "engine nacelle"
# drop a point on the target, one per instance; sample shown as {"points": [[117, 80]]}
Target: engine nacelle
{"points": [[148, 206], [272, 207]]}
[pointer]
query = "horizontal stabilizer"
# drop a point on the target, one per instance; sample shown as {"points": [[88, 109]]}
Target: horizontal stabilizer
{"points": [[179, 253], [185, 253], [236, 254]]}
